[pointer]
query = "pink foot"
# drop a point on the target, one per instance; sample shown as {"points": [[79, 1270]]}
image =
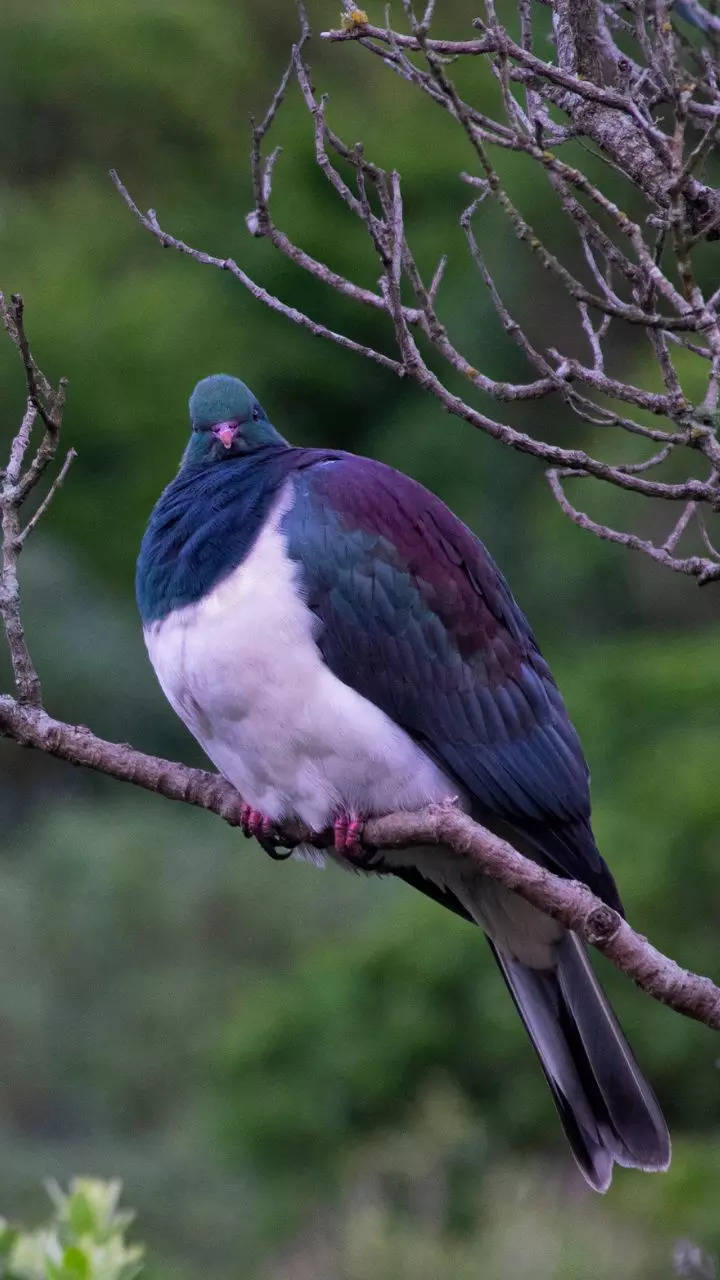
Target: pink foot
{"points": [[257, 824], [254, 823], [348, 830]]}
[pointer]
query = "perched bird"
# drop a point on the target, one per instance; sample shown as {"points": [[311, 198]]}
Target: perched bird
{"points": [[342, 646]]}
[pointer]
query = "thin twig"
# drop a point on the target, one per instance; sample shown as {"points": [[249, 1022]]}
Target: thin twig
{"points": [[695, 566], [151, 224], [38, 515]]}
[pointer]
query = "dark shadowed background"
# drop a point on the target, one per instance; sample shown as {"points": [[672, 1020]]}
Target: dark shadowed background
{"points": [[297, 1073]]}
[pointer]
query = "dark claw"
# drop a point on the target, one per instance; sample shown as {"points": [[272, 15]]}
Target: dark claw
{"points": [[272, 848]]}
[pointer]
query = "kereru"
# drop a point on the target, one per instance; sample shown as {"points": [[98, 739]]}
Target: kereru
{"points": [[341, 646]]}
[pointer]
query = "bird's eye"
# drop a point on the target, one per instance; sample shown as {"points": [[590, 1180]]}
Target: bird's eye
{"points": [[257, 413]]}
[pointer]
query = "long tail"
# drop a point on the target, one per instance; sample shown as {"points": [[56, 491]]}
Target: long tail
{"points": [[607, 1108]]}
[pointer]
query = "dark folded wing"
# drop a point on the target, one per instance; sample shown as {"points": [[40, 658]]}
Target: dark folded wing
{"points": [[415, 616]]}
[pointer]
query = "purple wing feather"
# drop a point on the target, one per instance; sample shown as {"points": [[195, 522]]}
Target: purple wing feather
{"points": [[417, 617]]}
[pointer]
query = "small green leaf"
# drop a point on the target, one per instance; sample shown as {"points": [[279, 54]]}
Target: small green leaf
{"points": [[8, 1236], [76, 1264], [81, 1217]]}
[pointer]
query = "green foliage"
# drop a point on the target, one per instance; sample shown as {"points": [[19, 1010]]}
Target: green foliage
{"points": [[83, 1240]]}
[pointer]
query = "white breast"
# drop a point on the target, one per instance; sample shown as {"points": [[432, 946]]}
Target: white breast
{"points": [[243, 671]]}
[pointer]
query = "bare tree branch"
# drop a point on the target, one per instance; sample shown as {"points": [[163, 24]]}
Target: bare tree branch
{"points": [[641, 269], [701, 567], [567, 901], [608, 102], [150, 222], [40, 512], [46, 402], [418, 369], [26, 677], [612, 119]]}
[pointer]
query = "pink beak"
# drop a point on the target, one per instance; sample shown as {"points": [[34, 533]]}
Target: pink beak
{"points": [[225, 432]]}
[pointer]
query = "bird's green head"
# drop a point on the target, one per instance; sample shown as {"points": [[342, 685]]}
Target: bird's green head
{"points": [[226, 420]]}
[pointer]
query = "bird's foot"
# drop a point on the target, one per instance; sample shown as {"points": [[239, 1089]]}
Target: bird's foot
{"points": [[347, 831], [254, 823], [257, 824]]}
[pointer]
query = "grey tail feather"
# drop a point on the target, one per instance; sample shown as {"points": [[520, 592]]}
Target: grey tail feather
{"points": [[607, 1108]]}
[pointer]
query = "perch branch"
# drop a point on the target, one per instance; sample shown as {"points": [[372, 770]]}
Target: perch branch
{"points": [[568, 901]]}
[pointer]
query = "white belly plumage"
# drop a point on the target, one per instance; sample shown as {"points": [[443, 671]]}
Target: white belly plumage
{"points": [[242, 669]]}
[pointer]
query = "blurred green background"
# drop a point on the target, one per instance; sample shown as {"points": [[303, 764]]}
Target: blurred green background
{"points": [[301, 1074]]}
